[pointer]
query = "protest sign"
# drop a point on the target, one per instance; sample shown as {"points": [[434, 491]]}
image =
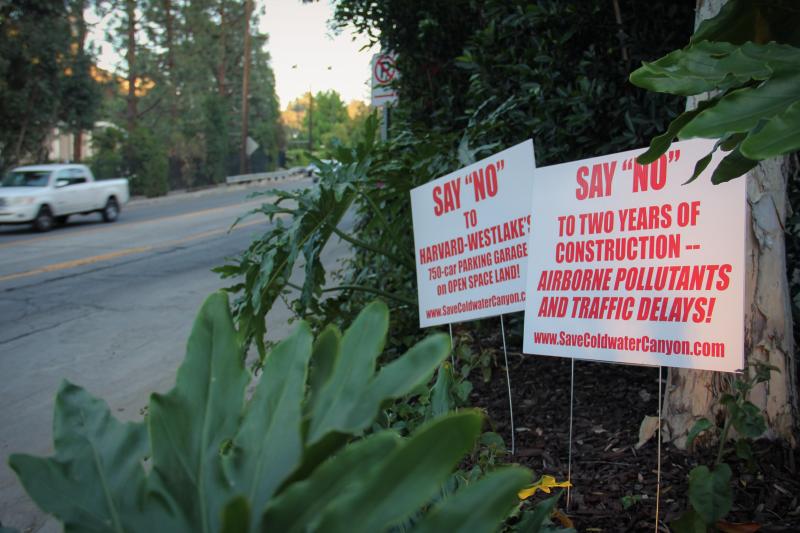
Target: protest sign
{"points": [[470, 236], [629, 265]]}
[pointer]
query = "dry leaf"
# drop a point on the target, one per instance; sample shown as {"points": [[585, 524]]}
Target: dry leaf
{"points": [[647, 430]]}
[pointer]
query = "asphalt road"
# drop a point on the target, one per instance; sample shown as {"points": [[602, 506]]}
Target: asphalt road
{"points": [[109, 307]]}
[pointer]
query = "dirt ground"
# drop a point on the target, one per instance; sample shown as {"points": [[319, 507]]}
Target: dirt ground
{"points": [[614, 484]]}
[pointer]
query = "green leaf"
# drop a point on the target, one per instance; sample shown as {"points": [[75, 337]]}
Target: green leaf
{"points": [[441, 399], [409, 477], [689, 522], [780, 135], [732, 166], [710, 492], [748, 421], [477, 507], [742, 109], [299, 507], [535, 520], [190, 423], [735, 23], [399, 378], [661, 143], [744, 450], [698, 68], [323, 360], [748, 20], [361, 345], [236, 516], [268, 445], [94, 481], [700, 166], [700, 426]]}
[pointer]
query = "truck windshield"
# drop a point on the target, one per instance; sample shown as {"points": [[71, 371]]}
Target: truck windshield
{"points": [[26, 178]]}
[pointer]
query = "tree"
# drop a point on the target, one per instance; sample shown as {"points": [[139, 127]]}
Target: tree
{"points": [[79, 101], [34, 43], [744, 83]]}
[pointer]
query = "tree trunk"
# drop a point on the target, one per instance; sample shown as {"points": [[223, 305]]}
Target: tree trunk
{"points": [[243, 163], [222, 64], [693, 394], [77, 135], [169, 24], [131, 111]]}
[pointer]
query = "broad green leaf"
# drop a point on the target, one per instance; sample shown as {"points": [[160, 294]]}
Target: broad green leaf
{"points": [[732, 166], [361, 345], [190, 423], [268, 445], [409, 477], [441, 399], [700, 426], [750, 20], [477, 507], [236, 516], [689, 522], [742, 109], [300, 506], [710, 491], [735, 23], [700, 166], [780, 135], [535, 520], [323, 360], [748, 421], [398, 378], [744, 450], [701, 67], [94, 482], [661, 143]]}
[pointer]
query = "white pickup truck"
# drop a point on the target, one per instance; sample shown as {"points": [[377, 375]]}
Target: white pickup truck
{"points": [[46, 195]]}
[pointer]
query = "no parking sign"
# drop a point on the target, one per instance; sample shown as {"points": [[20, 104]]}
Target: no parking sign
{"points": [[384, 72]]}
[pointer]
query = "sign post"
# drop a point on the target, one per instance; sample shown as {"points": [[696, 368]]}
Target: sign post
{"points": [[470, 231], [634, 265], [384, 72]]}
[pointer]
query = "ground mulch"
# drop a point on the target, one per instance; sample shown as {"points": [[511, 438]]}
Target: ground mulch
{"points": [[614, 483]]}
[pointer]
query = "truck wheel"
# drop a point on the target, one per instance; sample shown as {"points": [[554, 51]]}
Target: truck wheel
{"points": [[44, 219], [111, 210]]}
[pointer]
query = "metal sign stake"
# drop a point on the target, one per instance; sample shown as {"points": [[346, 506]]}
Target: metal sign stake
{"points": [[508, 383], [569, 453], [658, 468]]}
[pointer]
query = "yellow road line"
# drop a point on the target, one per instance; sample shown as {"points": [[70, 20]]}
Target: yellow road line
{"points": [[246, 207], [121, 253]]}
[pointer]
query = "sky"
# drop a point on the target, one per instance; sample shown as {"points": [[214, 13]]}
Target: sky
{"points": [[299, 35], [302, 48]]}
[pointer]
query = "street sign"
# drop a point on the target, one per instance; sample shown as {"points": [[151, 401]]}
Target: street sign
{"points": [[384, 72]]}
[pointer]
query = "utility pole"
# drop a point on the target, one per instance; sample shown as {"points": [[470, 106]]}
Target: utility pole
{"points": [[310, 121], [248, 10]]}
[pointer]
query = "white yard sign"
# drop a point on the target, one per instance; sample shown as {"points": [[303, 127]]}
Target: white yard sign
{"points": [[631, 266], [470, 236]]}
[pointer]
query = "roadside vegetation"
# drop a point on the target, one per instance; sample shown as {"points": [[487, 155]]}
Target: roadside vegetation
{"points": [[380, 432]]}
